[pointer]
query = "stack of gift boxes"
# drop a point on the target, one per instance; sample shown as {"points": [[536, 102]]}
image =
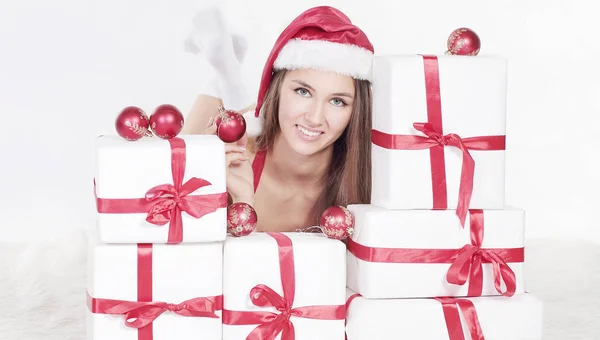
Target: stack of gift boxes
{"points": [[155, 258], [436, 255], [161, 265]]}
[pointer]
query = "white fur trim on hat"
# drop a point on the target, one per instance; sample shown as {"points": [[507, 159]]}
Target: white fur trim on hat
{"points": [[347, 59], [254, 125]]}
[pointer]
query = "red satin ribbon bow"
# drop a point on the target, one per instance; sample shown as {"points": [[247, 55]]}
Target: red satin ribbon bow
{"points": [[165, 203], [435, 141], [141, 314], [270, 324], [468, 262], [450, 307]]}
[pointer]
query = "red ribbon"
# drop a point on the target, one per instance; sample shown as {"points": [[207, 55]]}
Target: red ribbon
{"points": [[142, 313], [466, 263], [348, 301], [436, 140], [450, 307], [453, 323], [165, 203], [271, 324]]}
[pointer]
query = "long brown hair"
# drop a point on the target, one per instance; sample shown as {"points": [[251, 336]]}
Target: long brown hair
{"points": [[349, 175]]}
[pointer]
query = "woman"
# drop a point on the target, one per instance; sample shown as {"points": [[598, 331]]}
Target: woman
{"points": [[313, 149]]}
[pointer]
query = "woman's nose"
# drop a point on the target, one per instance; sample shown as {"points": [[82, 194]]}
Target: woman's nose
{"points": [[315, 114]]}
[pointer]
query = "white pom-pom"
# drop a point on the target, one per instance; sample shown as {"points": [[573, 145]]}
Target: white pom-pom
{"points": [[254, 125]]}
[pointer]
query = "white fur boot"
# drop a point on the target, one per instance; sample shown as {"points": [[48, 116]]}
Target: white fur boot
{"points": [[225, 52]]}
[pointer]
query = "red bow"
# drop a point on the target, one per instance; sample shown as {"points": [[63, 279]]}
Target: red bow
{"points": [[468, 262], [141, 314], [452, 317], [271, 324], [468, 165], [436, 139], [165, 203]]}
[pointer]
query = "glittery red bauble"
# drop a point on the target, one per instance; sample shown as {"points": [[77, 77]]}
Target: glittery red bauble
{"points": [[463, 41], [337, 222], [166, 122], [231, 126], [241, 219], [132, 123]]}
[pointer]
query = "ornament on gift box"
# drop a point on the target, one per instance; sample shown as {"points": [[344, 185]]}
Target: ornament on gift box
{"points": [[166, 122], [132, 123], [241, 219], [231, 125], [337, 222], [463, 41]]}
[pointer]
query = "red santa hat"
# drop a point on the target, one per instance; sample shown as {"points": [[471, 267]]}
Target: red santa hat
{"points": [[321, 38]]}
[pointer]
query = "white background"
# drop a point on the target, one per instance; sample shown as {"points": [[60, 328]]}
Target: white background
{"points": [[68, 66]]}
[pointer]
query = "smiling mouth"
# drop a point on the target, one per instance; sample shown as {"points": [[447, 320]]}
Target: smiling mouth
{"points": [[307, 132]]}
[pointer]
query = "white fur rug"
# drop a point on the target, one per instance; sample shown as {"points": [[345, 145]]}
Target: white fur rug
{"points": [[42, 289]]}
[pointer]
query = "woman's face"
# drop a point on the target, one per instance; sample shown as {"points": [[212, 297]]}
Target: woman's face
{"points": [[314, 108]]}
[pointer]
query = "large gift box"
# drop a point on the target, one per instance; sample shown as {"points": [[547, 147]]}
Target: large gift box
{"points": [[155, 292], [439, 132], [427, 253], [284, 286], [490, 318], [161, 191]]}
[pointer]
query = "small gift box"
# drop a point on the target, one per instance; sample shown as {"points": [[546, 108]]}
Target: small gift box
{"points": [[490, 318], [427, 253], [284, 286], [161, 191], [439, 132], [155, 292]]}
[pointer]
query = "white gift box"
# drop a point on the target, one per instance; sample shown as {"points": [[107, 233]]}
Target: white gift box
{"points": [[320, 280], [500, 318], [416, 234], [128, 169], [472, 94], [178, 273]]}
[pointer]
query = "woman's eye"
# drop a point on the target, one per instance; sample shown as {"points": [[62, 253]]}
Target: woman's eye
{"points": [[338, 102], [302, 91]]}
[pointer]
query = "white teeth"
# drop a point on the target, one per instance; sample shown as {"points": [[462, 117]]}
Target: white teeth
{"points": [[308, 133]]}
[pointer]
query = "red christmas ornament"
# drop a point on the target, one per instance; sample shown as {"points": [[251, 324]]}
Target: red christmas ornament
{"points": [[463, 41], [231, 125], [132, 123], [337, 222], [166, 122], [241, 219]]}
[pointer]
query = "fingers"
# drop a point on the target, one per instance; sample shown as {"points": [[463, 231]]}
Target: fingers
{"points": [[211, 127], [234, 158], [240, 184], [233, 148]]}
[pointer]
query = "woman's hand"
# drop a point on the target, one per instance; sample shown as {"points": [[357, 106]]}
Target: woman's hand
{"points": [[240, 177]]}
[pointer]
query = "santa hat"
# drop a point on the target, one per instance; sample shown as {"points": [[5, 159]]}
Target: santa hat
{"points": [[321, 38]]}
